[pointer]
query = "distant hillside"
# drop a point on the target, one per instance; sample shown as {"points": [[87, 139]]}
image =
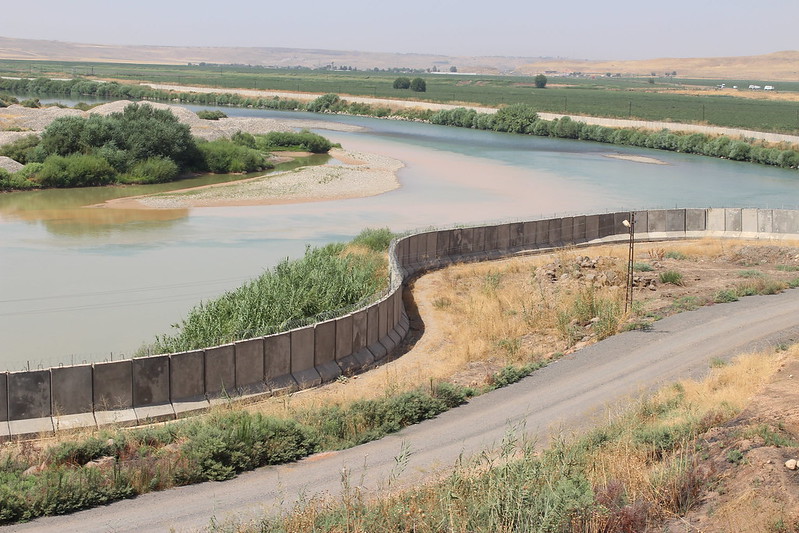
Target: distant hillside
{"points": [[779, 66]]}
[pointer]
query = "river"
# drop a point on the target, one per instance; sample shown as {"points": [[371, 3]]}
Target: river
{"points": [[83, 284]]}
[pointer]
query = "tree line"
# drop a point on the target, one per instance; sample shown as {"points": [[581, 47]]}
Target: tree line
{"points": [[515, 118]]}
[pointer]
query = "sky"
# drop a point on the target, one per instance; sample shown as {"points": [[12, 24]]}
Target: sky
{"points": [[576, 29]]}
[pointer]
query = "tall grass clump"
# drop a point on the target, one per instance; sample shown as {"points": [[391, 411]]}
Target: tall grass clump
{"points": [[326, 281]]}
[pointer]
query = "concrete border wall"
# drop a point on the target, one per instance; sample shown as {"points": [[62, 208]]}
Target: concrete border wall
{"points": [[167, 386]]}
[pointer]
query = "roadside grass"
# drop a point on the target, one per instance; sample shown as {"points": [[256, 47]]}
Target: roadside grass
{"points": [[506, 311], [631, 474]]}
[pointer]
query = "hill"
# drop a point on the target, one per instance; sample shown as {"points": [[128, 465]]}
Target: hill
{"points": [[778, 66]]}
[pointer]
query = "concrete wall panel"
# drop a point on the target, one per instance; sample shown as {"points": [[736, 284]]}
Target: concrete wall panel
{"points": [[765, 221], [382, 317], [732, 220], [554, 231], [641, 221], [749, 220], [390, 306], [413, 249], [695, 220], [220, 370], [29, 395], [3, 397], [715, 219], [591, 227], [606, 225], [491, 237], [657, 221], [541, 232], [402, 251], [503, 237], [479, 244], [443, 243], [250, 365], [324, 342], [579, 232], [529, 233], [675, 220], [277, 357], [618, 220], [372, 326], [359, 330], [567, 230], [187, 375], [72, 389], [344, 337], [302, 349], [785, 221], [517, 234], [431, 245], [113, 385], [150, 380]]}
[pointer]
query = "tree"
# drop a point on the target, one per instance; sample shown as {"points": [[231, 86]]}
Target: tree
{"points": [[418, 85], [540, 81], [402, 83], [453, 69]]}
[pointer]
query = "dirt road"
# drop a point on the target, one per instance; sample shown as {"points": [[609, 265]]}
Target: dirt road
{"points": [[569, 394]]}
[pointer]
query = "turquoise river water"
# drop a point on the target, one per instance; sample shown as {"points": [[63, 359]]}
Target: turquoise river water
{"points": [[84, 284]]}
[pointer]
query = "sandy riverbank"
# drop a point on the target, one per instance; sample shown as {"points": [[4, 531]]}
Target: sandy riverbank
{"points": [[350, 175]]}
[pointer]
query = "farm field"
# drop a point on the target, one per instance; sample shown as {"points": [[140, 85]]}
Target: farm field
{"points": [[666, 98]]}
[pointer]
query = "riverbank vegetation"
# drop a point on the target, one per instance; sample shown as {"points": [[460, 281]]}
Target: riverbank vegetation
{"points": [[326, 282], [141, 144], [519, 118]]}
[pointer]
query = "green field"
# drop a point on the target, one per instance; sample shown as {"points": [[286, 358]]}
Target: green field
{"points": [[601, 96]]}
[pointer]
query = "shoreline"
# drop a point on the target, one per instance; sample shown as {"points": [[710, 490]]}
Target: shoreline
{"points": [[354, 175]]}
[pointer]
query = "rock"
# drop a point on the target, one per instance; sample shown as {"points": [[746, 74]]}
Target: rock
{"points": [[35, 469], [101, 462], [790, 464]]}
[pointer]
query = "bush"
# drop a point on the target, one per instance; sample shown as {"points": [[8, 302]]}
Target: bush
{"points": [[224, 157], [402, 83], [152, 170], [376, 239], [19, 149], [327, 103], [671, 276], [304, 140], [418, 85], [515, 118], [207, 114], [75, 170]]}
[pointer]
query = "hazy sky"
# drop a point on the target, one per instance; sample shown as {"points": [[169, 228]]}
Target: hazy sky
{"points": [[579, 29]]}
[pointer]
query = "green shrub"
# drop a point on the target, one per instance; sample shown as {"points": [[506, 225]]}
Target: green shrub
{"points": [[16, 181], [642, 267], [75, 170], [671, 276], [751, 274], [375, 239], [208, 114], [224, 445], [725, 296], [304, 140], [152, 170], [224, 157], [674, 254], [20, 149], [327, 103]]}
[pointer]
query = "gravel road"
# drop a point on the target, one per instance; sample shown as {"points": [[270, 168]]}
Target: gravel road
{"points": [[571, 393]]}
